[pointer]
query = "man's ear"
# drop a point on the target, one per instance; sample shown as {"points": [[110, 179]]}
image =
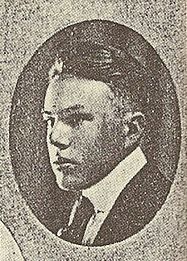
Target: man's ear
{"points": [[134, 127]]}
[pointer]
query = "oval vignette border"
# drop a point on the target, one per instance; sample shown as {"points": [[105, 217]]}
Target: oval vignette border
{"points": [[27, 131]]}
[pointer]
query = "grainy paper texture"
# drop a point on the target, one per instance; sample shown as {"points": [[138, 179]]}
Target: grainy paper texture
{"points": [[25, 26]]}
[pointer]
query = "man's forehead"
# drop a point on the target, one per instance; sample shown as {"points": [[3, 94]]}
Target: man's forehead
{"points": [[72, 91]]}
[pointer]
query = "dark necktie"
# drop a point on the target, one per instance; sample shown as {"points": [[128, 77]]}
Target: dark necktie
{"points": [[75, 231]]}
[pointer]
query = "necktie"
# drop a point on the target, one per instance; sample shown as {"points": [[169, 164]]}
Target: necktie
{"points": [[74, 232]]}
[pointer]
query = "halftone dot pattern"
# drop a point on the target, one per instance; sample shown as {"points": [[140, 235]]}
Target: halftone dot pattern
{"points": [[27, 25]]}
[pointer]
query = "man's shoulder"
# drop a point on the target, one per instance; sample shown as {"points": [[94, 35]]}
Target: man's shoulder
{"points": [[136, 206], [147, 189]]}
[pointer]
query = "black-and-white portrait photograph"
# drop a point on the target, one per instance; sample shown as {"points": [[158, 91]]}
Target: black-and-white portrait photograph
{"points": [[92, 159]]}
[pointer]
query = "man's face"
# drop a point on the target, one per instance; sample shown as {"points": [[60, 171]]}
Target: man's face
{"points": [[84, 134]]}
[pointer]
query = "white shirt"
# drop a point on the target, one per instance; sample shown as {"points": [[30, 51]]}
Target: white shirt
{"points": [[104, 194]]}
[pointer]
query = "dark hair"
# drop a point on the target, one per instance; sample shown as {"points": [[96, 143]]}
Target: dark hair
{"points": [[124, 74]]}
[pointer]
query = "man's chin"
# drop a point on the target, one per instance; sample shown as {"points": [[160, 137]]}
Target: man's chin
{"points": [[73, 181], [71, 184], [63, 187]]}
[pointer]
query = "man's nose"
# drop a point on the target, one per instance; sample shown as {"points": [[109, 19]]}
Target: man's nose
{"points": [[61, 135]]}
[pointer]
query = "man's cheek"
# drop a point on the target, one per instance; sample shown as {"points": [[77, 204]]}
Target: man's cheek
{"points": [[88, 134], [87, 149], [92, 128]]}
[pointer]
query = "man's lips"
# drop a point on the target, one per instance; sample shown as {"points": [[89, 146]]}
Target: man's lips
{"points": [[65, 161]]}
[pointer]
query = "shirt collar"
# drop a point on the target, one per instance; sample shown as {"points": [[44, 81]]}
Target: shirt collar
{"points": [[104, 194]]}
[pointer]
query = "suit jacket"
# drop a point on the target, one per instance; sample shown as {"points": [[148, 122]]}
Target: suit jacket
{"points": [[134, 208]]}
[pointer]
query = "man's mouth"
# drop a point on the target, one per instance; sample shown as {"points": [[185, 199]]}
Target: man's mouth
{"points": [[65, 162]]}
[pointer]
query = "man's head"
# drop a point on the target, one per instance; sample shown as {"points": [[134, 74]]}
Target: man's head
{"points": [[93, 108]]}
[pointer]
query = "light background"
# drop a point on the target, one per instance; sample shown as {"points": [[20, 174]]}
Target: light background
{"points": [[25, 25]]}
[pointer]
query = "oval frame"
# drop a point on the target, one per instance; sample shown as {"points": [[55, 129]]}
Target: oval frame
{"points": [[27, 131]]}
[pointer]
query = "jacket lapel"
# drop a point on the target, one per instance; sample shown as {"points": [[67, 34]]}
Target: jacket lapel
{"points": [[135, 207]]}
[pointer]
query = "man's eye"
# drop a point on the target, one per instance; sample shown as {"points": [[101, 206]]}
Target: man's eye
{"points": [[50, 120], [76, 120]]}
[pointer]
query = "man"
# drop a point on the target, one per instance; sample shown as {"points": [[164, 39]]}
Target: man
{"points": [[97, 112]]}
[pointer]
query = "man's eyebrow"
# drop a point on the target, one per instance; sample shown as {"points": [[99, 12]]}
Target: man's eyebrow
{"points": [[46, 112], [72, 108], [68, 110]]}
